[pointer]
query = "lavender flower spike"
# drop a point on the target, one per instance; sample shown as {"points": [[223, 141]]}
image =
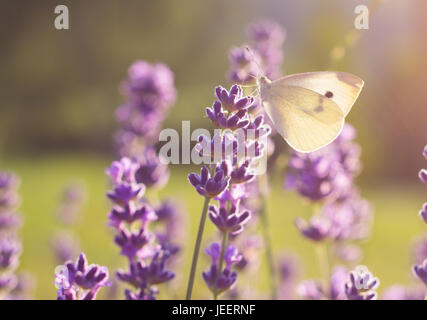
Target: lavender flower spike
{"points": [[81, 280]]}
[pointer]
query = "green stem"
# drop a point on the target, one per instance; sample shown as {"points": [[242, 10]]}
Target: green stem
{"points": [[197, 248], [221, 259], [263, 185]]}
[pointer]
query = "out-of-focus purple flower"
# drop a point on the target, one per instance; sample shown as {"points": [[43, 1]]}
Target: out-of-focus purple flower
{"points": [[151, 172], [10, 250], [243, 67], [81, 280], [423, 212], [289, 270], [9, 221], [327, 174], [361, 285], [266, 39], [150, 86], [24, 287], [399, 292], [65, 246], [149, 91], [317, 229], [8, 281], [337, 283], [316, 176], [350, 218], [310, 290], [9, 184], [230, 221], [420, 271], [249, 248], [420, 250], [217, 280], [208, 186]]}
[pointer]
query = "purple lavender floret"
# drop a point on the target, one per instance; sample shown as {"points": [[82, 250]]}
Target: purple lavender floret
{"points": [[208, 186], [10, 250], [317, 229], [361, 285], [151, 172], [420, 271], [129, 214], [243, 68], [217, 280], [9, 221], [81, 280], [135, 243], [229, 221]]}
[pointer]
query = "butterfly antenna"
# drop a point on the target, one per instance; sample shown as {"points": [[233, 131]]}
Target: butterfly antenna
{"points": [[255, 60]]}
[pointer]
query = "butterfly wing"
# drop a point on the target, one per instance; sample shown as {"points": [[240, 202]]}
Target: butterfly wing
{"points": [[341, 87], [306, 119]]}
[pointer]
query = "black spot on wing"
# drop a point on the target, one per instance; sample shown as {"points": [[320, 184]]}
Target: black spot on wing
{"points": [[329, 94]]}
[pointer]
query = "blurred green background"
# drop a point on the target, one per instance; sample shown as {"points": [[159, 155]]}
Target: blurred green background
{"points": [[59, 90]]}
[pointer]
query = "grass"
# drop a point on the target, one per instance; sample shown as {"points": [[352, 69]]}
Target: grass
{"points": [[387, 252]]}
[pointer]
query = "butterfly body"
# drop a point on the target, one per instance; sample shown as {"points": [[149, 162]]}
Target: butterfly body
{"points": [[308, 109]]}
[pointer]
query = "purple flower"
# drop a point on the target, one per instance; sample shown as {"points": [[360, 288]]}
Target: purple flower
{"points": [[327, 174], [135, 243], [10, 250], [243, 68], [208, 186], [149, 92], [337, 283], [423, 212], [151, 172], [423, 175], [130, 214], [399, 292], [317, 229], [266, 39], [122, 171], [230, 221], [310, 290], [217, 280], [150, 86], [81, 279], [143, 276], [289, 269], [72, 200], [223, 120], [9, 221], [361, 285], [420, 271], [124, 193]]}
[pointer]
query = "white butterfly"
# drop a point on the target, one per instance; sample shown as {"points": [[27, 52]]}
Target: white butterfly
{"points": [[308, 109]]}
